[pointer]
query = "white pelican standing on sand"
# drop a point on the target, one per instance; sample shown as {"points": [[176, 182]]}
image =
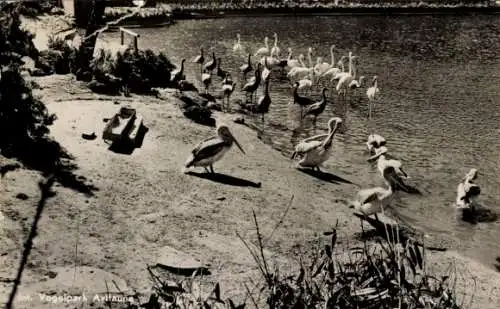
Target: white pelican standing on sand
{"points": [[467, 190], [315, 151], [374, 142], [391, 170], [212, 149]]}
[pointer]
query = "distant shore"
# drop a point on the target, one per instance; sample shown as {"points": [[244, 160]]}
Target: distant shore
{"points": [[165, 14]]}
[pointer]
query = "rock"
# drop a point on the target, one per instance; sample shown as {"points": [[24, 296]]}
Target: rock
{"points": [[214, 106], [478, 214], [179, 262], [90, 136], [22, 196], [239, 120]]}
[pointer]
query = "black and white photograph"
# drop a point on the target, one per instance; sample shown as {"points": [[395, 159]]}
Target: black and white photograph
{"points": [[250, 154]]}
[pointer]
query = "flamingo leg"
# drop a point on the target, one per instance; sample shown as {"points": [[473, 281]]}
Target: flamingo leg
{"points": [[206, 169], [370, 111]]}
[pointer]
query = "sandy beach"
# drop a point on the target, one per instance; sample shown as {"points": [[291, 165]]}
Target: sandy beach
{"points": [[146, 205]]}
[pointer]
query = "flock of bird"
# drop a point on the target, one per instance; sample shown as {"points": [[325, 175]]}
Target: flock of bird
{"points": [[316, 150]]}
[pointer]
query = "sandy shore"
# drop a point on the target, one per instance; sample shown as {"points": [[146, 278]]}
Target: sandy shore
{"points": [[145, 203]]}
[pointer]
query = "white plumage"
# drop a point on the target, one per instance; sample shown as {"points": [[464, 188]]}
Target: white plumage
{"points": [[314, 150], [212, 149], [263, 51], [372, 201], [374, 142]]}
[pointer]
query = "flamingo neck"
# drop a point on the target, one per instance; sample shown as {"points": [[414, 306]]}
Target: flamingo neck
{"points": [[350, 64], [289, 56], [276, 41], [332, 57], [310, 59], [302, 62]]}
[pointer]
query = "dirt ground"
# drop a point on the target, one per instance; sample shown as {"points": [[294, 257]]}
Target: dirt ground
{"points": [[145, 205]]}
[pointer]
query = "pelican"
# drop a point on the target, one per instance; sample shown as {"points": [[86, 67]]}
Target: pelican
{"points": [[372, 94], [372, 201], [315, 151], [391, 171], [263, 51], [374, 142], [212, 149], [467, 190], [276, 51], [237, 46]]}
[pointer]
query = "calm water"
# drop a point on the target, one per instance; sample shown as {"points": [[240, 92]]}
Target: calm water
{"points": [[439, 106]]}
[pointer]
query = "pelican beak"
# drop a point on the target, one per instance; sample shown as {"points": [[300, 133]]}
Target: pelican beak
{"points": [[403, 173], [238, 145]]}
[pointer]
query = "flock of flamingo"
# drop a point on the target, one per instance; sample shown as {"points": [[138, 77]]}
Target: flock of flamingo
{"points": [[316, 150]]}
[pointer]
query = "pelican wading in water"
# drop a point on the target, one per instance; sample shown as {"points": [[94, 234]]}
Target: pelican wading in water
{"points": [[374, 142], [467, 190], [391, 171], [212, 149], [315, 151]]}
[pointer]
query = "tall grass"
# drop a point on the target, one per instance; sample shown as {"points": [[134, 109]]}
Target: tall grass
{"points": [[381, 274]]}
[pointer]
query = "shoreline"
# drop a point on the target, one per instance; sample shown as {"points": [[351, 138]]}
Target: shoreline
{"points": [[162, 18], [179, 14]]}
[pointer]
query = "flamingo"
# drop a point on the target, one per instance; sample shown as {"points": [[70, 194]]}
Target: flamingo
{"points": [[374, 142], [309, 56], [228, 89], [253, 84], [302, 101], [272, 62], [372, 201], [354, 84], [200, 59], [237, 46], [266, 73], [344, 81], [323, 67], [263, 51], [247, 67], [306, 83], [293, 63], [333, 72], [178, 74], [283, 63], [315, 152], [206, 79], [212, 149], [317, 108], [372, 94], [211, 65], [299, 72], [220, 72], [263, 103], [276, 51], [343, 72]]}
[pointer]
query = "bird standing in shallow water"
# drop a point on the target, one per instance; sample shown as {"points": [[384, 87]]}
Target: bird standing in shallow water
{"points": [[467, 190], [391, 171], [315, 151], [372, 94], [237, 46], [374, 142], [212, 149], [372, 201], [317, 108], [200, 59]]}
